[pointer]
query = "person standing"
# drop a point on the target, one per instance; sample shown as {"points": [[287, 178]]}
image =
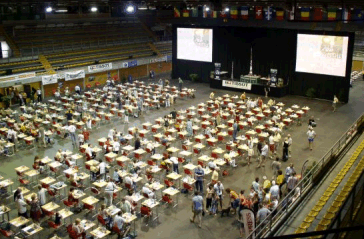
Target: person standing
{"points": [[264, 155], [197, 208], [289, 145], [235, 130], [292, 182], [199, 174], [219, 189], [311, 134], [78, 89], [212, 95], [189, 128], [276, 166], [39, 95], [180, 83], [285, 149], [72, 131], [42, 195], [335, 101], [209, 194], [109, 191]]}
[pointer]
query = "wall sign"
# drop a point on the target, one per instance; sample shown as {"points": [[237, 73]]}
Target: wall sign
{"points": [[100, 67], [74, 75], [237, 84], [50, 79], [18, 77]]}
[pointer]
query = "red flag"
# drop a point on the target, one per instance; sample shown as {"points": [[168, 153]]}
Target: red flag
{"points": [[259, 13], [317, 14]]}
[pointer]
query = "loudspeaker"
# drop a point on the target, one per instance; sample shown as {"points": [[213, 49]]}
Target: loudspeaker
{"points": [[96, 61], [9, 71], [130, 56]]}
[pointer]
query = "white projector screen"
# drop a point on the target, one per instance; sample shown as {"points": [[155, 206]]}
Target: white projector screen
{"points": [[322, 54], [194, 44]]}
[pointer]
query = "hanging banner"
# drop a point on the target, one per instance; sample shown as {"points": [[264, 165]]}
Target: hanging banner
{"points": [[100, 67], [74, 75], [237, 84], [249, 222], [51, 79], [161, 59], [18, 77]]}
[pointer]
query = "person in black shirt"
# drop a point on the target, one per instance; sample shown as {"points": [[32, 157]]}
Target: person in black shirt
{"points": [[137, 144], [174, 114], [311, 121], [57, 219], [285, 150], [69, 115]]}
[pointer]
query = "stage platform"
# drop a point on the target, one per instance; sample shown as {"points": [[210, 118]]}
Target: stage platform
{"points": [[257, 89]]}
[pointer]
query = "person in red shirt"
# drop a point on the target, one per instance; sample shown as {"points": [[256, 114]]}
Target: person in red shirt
{"points": [[86, 135], [260, 102]]}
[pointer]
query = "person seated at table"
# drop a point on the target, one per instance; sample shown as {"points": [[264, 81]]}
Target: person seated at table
{"points": [[119, 222], [165, 141], [78, 228], [105, 215], [128, 180], [107, 145], [146, 190], [174, 161], [208, 132], [127, 204], [74, 180], [71, 197], [90, 152], [116, 177], [150, 147], [122, 138], [58, 155], [86, 135]]}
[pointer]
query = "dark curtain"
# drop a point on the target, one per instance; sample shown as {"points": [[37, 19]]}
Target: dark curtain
{"points": [[274, 49]]}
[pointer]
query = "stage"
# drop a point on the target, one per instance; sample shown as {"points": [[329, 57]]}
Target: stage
{"points": [[252, 88]]}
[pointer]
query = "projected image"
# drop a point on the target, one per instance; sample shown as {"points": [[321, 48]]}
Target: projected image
{"points": [[194, 44], [320, 54]]}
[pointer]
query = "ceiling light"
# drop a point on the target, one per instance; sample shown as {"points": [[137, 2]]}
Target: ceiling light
{"points": [[207, 9], [227, 9], [49, 9], [130, 9], [94, 9]]}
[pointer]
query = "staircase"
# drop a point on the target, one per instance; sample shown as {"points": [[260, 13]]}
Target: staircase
{"points": [[47, 66], [155, 49], [150, 33], [10, 41]]}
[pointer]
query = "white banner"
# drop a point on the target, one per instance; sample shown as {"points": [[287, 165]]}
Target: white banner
{"points": [[249, 222], [18, 77], [237, 84], [100, 67], [50, 79], [74, 75], [162, 59]]}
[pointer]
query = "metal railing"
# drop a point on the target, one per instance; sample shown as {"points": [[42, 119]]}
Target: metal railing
{"points": [[293, 198]]}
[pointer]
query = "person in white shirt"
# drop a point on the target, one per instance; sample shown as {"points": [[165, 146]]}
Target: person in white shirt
{"points": [[168, 100], [116, 146], [264, 155], [119, 222], [81, 139], [102, 168], [311, 136], [109, 191], [57, 94], [334, 103], [219, 189], [111, 133], [129, 181], [42, 195], [289, 145], [89, 151], [78, 89], [22, 207], [274, 191], [147, 191], [39, 95], [271, 144], [174, 161], [211, 165], [72, 131]]}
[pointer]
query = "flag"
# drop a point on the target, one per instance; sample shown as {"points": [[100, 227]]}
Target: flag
{"points": [[358, 14], [331, 14], [186, 13], [317, 14], [234, 12], [214, 14], [194, 12], [305, 13], [222, 14], [279, 15], [268, 14], [259, 13], [244, 12], [346, 15], [177, 13], [292, 14]]}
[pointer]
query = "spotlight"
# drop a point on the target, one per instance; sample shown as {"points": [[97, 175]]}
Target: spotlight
{"points": [[49, 9], [227, 9], [94, 9], [130, 9], [207, 9]]}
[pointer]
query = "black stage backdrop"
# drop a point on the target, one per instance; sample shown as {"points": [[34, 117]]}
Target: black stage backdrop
{"points": [[272, 48]]}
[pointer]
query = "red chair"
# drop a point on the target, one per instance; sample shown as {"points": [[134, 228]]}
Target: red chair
{"points": [[51, 224], [145, 195], [187, 171], [214, 155], [68, 203], [44, 185], [95, 191], [101, 220], [181, 160], [121, 164], [168, 183], [184, 147], [188, 187], [200, 163], [35, 166], [151, 163], [7, 233], [88, 207], [196, 151], [48, 213], [128, 186], [167, 199], [145, 212], [24, 181]]}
